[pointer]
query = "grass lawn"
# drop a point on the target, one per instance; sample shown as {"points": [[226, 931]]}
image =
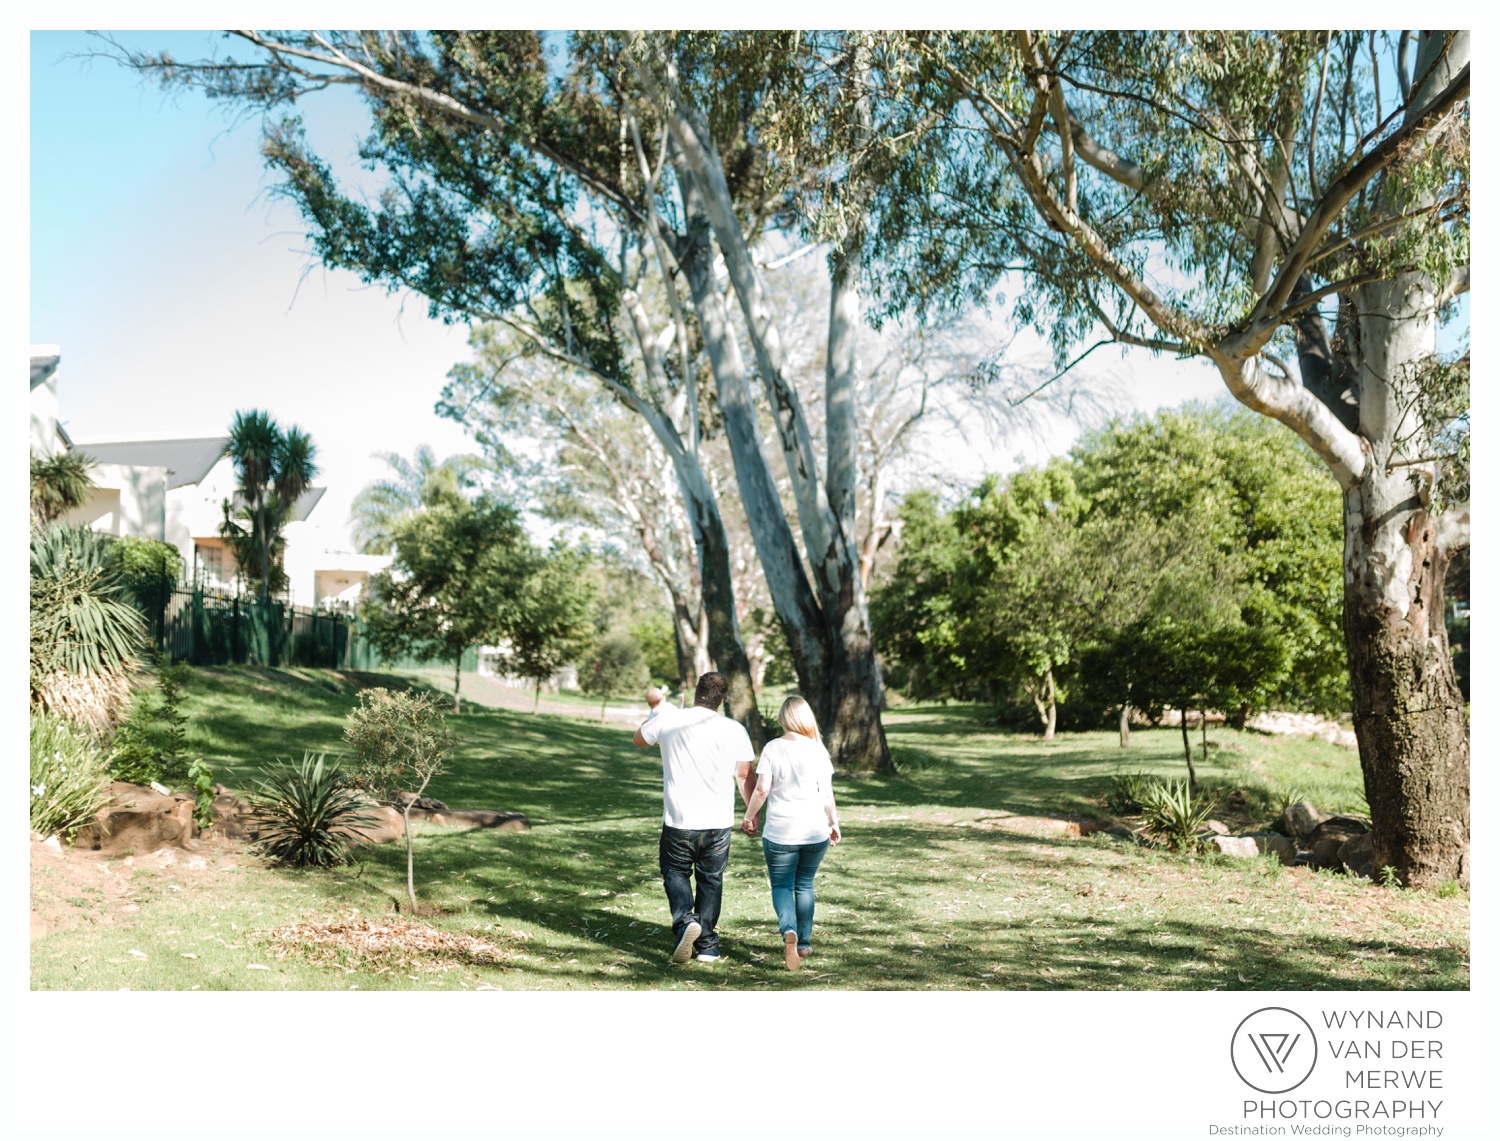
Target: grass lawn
{"points": [[932, 888]]}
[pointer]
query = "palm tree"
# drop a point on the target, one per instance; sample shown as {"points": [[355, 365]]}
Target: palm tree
{"points": [[58, 484], [274, 467], [382, 504]]}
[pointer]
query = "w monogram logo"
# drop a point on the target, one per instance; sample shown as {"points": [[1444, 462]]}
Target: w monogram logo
{"points": [[1273, 1050]]}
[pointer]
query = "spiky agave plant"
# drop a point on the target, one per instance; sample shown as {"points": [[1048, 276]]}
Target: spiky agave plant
{"points": [[84, 635], [309, 815], [1171, 814]]}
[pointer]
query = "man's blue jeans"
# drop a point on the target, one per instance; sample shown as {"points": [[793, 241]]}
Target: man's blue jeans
{"points": [[792, 868], [687, 854]]}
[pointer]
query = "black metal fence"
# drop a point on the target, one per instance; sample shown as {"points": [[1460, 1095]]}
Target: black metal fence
{"points": [[209, 629]]}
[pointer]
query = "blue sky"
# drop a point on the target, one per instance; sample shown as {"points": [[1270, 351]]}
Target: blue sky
{"points": [[174, 283]]}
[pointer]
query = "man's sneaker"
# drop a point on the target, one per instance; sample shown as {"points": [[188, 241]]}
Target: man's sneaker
{"points": [[708, 957], [793, 960], [684, 950]]}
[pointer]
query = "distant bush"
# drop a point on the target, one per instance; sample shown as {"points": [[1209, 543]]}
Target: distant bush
{"points": [[144, 563], [68, 780], [307, 812]]}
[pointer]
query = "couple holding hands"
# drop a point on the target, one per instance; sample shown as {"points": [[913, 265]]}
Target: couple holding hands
{"points": [[705, 756]]}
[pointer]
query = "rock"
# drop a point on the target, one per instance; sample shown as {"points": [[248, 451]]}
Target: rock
{"points": [[1326, 852], [142, 820], [52, 843], [1243, 847], [1358, 855], [489, 818], [386, 827], [1339, 828], [1300, 819], [1217, 827], [1285, 850], [234, 817]]}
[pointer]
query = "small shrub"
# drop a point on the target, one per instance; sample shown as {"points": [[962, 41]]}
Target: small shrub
{"points": [[133, 755], [1173, 816], [68, 779], [1390, 878], [201, 777], [400, 739], [1128, 792], [171, 723], [151, 742], [309, 814]]}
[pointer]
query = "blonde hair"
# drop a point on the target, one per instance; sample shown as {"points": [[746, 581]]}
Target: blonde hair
{"points": [[796, 716]]}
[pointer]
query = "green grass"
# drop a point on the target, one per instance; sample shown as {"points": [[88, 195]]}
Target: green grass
{"points": [[929, 890]]}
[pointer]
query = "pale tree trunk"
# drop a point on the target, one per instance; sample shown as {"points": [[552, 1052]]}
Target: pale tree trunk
{"points": [[857, 691], [791, 593], [1125, 725], [457, 666], [834, 656], [725, 645], [1044, 697], [1409, 715]]}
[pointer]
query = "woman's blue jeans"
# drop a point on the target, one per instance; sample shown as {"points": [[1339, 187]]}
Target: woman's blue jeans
{"points": [[792, 868]]}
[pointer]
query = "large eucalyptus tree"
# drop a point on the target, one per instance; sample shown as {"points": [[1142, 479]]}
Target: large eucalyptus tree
{"points": [[1294, 208], [513, 195], [539, 198]]}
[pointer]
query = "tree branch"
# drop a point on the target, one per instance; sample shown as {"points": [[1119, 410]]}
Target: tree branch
{"points": [[1343, 191], [1453, 529]]}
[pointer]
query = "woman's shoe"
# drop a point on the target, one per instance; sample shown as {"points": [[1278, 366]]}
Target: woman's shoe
{"points": [[793, 960]]}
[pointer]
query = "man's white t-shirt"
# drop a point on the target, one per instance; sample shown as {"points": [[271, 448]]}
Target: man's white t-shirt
{"points": [[700, 749], [801, 777]]}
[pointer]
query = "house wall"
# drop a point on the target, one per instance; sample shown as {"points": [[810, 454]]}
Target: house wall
{"points": [[125, 501], [44, 440]]}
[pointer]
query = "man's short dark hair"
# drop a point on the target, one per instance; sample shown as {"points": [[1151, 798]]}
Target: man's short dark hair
{"points": [[713, 687]]}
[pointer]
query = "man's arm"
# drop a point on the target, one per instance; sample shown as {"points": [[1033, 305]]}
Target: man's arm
{"points": [[744, 779], [758, 791], [654, 703]]}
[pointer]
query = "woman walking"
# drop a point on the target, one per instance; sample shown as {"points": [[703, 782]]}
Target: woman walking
{"points": [[794, 780]]}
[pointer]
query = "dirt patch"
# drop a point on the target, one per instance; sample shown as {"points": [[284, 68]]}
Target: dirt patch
{"points": [[73, 887], [352, 943]]}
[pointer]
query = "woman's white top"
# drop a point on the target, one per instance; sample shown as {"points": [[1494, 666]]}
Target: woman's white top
{"points": [[801, 779]]}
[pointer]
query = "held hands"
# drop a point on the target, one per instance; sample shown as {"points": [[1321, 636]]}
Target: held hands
{"points": [[748, 825]]}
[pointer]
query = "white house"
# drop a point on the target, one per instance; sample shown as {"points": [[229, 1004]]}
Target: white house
{"points": [[174, 491]]}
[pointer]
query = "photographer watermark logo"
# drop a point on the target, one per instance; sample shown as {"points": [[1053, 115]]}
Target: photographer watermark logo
{"points": [[1273, 1050]]}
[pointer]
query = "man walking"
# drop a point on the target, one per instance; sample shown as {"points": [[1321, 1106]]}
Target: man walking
{"points": [[705, 756]]}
